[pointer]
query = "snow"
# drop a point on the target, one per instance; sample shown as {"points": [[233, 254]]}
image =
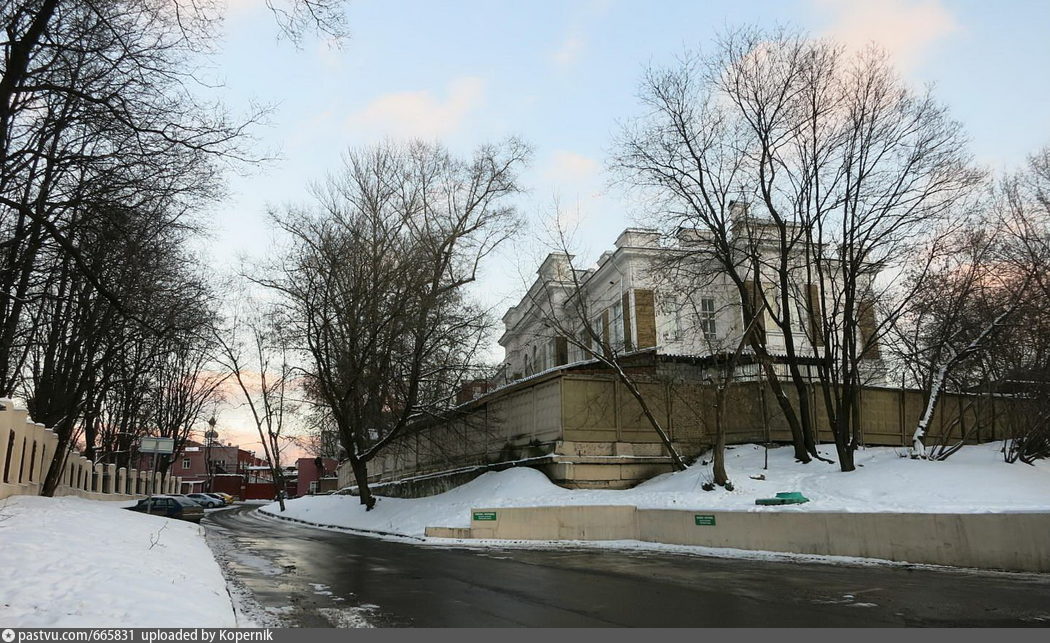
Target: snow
{"points": [[974, 480], [70, 562]]}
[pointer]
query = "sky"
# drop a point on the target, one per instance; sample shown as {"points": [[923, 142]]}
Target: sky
{"points": [[562, 76]]}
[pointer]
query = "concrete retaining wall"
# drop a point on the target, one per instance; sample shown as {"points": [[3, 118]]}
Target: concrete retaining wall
{"points": [[1007, 541]]}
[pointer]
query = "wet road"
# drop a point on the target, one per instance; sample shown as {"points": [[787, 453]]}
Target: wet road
{"points": [[316, 578]]}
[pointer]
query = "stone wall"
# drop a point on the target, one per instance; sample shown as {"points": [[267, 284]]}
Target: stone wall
{"points": [[585, 430]]}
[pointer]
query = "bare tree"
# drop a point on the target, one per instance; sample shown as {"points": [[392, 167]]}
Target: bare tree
{"points": [[842, 169], [969, 296], [372, 284], [566, 309], [1019, 359], [298, 17], [267, 398]]}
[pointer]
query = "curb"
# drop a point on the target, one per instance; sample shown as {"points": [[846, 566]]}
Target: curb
{"points": [[372, 532]]}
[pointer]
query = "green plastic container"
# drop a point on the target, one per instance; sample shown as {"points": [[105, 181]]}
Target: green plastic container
{"points": [[784, 498]]}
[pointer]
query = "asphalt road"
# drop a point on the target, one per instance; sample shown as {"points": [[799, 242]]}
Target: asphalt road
{"points": [[319, 578]]}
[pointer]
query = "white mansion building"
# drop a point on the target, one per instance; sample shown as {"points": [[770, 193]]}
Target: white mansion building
{"points": [[641, 295]]}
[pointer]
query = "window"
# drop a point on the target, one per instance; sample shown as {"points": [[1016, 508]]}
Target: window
{"points": [[584, 340], [185, 463], [598, 339], [313, 486], [617, 325], [672, 311], [708, 321]]}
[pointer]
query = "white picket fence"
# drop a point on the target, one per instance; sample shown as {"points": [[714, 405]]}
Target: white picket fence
{"points": [[27, 449]]}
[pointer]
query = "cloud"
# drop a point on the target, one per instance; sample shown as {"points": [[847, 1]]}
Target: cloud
{"points": [[906, 29], [420, 114], [329, 52], [575, 182], [569, 51], [566, 166]]}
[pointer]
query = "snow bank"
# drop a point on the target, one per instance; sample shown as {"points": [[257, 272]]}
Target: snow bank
{"points": [[974, 480], [70, 562]]}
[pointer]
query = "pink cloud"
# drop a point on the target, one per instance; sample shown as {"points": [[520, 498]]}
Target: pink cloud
{"points": [[906, 29]]}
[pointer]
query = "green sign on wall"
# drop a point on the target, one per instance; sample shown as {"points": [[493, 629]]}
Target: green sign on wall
{"points": [[484, 515], [704, 520]]}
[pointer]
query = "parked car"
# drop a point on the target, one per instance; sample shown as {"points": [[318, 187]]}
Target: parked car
{"points": [[205, 500], [170, 506], [229, 499], [219, 497]]}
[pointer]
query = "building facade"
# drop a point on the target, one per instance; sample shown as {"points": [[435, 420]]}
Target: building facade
{"points": [[670, 316], [674, 299], [231, 468]]}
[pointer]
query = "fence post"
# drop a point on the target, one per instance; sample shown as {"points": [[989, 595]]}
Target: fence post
{"points": [[49, 452], [89, 470], [19, 426], [109, 484], [6, 407], [34, 439]]}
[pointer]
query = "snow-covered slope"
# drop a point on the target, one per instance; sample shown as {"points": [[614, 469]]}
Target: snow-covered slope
{"points": [[69, 562], [973, 480]]}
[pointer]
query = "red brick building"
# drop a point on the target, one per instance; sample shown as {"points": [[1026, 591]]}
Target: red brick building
{"points": [[311, 471], [231, 468]]}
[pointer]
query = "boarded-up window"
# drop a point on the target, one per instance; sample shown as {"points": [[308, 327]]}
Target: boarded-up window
{"points": [[866, 320], [816, 328], [645, 317], [756, 306], [561, 351]]}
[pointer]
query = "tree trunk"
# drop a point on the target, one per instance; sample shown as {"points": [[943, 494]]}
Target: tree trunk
{"points": [[798, 439], [719, 464], [54, 472], [845, 452], [844, 443], [360, 468], [676, 458], [918, 449], [809, 441]]}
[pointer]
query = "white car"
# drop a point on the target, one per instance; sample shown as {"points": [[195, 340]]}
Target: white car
{"points": [[204, 500]]}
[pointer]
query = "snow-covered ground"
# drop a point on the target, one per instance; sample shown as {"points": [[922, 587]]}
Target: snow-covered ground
{"points": [[974, 480], [70, 562]]}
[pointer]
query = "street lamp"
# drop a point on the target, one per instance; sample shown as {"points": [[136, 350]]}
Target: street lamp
{"points": [[209, 439]]}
